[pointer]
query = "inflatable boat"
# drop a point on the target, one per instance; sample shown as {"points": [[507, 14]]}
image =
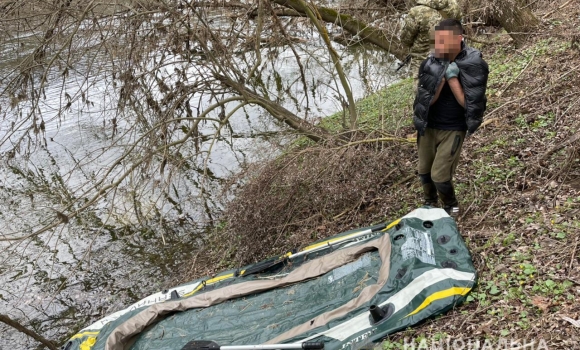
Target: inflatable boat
{"points": [[345, 292]]}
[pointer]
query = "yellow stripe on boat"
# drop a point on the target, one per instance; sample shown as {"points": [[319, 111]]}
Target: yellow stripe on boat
{"points": [[440, 295]]}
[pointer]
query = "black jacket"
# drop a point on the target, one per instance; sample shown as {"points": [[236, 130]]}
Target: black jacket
{"points": [[473, 72]]}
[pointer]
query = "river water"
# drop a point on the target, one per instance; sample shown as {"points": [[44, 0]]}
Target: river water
{"points": [[118, 251]]}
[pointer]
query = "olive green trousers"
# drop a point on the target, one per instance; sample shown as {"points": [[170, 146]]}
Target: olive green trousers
{"points": [[439, 152]]}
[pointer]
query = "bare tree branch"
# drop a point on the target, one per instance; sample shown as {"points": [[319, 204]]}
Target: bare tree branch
{"points": [[336, 60], [352, 25], [16, 325]]}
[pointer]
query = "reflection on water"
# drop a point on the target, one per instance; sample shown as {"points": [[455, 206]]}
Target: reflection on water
{"points": [[134, 240]]}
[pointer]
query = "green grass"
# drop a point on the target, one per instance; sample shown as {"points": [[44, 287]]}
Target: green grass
{"points": [[384, 109]]}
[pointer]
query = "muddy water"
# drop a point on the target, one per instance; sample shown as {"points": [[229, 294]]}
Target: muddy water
{"points": [[66, 278]]}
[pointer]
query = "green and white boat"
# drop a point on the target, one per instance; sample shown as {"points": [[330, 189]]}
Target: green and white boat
{"points": [[345, 292]]}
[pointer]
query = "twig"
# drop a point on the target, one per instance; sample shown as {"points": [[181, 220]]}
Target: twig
{"points": [[554, 10], [487, 212], [471, 24], [478, 9], [568, 166], [359, 8], [525, 346], [556, 148], [342, 213], [473, 314], [467, 210], [566, 111], [572, 260], [517, 76], [382, 139], [403, 180], [194, 260], [400, 182]]}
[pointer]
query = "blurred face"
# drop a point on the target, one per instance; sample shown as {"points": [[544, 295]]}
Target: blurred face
{"points": [[447, 44]]}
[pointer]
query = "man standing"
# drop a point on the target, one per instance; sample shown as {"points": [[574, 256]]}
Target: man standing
{"points": [[450, 102], [417, 30]]}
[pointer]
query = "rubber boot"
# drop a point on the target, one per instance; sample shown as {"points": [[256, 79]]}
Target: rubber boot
{"points": [[447, 194], [429, 190]]}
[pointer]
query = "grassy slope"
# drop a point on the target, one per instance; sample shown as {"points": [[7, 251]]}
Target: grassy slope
{"points": [[520, 210], [520, 215], [387, 110]]}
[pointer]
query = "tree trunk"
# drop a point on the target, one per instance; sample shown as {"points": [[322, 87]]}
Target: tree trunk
{"points": [[14, 324], [516, 18], [352, 25]]}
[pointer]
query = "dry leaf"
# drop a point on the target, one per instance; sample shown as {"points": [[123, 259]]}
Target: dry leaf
{"points": [[541, 303]]}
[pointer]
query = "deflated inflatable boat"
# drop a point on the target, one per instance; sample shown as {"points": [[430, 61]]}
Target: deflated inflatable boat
{"points": [[342, 293]]}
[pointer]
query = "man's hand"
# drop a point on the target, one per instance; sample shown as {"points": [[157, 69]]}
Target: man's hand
{"points": [[438, 91], [457, 91], [452, 71]]}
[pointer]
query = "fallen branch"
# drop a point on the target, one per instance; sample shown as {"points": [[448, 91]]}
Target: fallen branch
{"points": [[489, 121], [400, 182], [382, 139], [575, 323], [16, 325], [556, 148], [366, 32]]}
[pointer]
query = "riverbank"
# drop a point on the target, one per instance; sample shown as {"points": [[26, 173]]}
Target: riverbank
{"points": [[518, 184]]}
